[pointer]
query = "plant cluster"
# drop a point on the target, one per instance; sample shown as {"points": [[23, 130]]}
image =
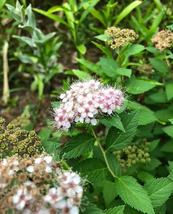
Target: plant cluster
{"points": [[38, 185], [84, 101], [119, 139], [163, 39], [134, 154], [14, 140], [119, 37]]}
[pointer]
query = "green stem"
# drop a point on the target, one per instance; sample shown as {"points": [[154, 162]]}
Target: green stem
{"points": [[167, 62], [104, 155], [119, 59]]}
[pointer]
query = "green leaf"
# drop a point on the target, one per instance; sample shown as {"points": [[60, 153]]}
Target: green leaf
{"points": [[159, 190], [164, 114], [133, 194], [109, 66], [153, 164], [161, 209], [115, 210], [171, 120], [78, 145], [45, 134], [136, 86], [51, 147], [94, 169], [103, 37], [168, 130], [133, 49], [25, 39], [124, 72], [104, 50], [80, 74], [56, 104], [167, 147], [146, 116], [130, 210], [159, 97], [113, 164], [112, 121], [144, 176], [159, 65], [51, 16], [169, 90], [153, 145], [91, 209], [109, 192], [81, 49], [2, 2], [91, 66], [116, 139], [126, 11]]}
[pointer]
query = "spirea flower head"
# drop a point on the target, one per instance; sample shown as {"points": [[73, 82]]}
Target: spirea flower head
{"points": [[84, 101], [163, 39], [119, 37], [38, 185]]}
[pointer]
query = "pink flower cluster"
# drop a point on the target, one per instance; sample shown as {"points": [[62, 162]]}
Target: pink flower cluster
{"points": [[84, 101]]}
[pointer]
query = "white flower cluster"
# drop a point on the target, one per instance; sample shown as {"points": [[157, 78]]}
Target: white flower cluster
{"points": [[84, 101], [62, 195]]}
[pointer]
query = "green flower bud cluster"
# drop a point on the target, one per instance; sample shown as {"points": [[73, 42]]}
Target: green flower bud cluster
{"points": [[119, 37], [22, 121], [133, 154], [14, 140]]}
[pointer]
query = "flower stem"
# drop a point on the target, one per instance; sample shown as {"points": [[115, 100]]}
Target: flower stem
{"points": [[104, 155]]}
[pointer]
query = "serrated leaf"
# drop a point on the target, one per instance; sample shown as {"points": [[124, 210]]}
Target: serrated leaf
{"points": [[168, 130], [146, 116], [167, 146], [144, 176], [51, 148], [171, 120], [154, 163], [159, 65], [115, 210], [124, 72], [113, 164], [133, 194], [159, 190], [164, 114], [169, 90], [109, 192], [78, 145], [109, 66], [94, 169], [159, 97], [92, 209], [134, 49], [130, 210], [113, 121], [91, 66], [116, 139], [80, 74], [153, 145], [161, 209], [137, 86], [45, 134]]}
